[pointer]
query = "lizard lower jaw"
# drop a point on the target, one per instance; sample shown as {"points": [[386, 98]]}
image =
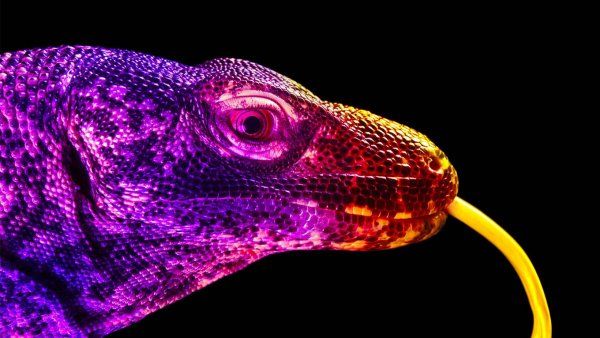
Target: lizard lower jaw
{"points": [[379, 233], [362, 229]]}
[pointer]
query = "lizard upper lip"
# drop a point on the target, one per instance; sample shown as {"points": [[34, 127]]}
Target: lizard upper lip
{"points": [[398, 197], [367, 213]]}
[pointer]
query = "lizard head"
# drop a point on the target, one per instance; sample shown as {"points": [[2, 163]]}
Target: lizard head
{"points": [[187, 174], [244, 158], [303, 173]]}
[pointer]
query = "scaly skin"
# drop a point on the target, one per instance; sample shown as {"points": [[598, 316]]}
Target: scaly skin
{"points": [[129, 181]]}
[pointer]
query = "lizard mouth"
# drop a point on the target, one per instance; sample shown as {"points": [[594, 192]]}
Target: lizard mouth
{"points": [[377, 233], [360, 231], [376, 212]]}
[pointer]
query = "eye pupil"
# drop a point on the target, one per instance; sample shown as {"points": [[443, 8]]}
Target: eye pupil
{"points": [[252, 125]]}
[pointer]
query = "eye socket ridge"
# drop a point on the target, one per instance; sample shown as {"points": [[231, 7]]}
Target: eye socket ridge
{"points": [[257, 99]]}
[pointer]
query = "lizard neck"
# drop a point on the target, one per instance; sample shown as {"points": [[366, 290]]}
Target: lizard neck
{"points": [[53, 236], [41, 240]]}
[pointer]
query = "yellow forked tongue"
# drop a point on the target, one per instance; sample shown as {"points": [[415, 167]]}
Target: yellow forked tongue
{"points": [[486, 227]]}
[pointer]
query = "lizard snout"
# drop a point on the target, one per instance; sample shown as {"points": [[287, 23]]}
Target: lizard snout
{"points": [[391, 185]]}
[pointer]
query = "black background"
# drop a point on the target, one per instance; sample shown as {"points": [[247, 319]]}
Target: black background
{"points": [[482, 86]]}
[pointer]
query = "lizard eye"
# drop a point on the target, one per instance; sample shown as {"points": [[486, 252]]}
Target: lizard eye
{"points": [[252, 124]]}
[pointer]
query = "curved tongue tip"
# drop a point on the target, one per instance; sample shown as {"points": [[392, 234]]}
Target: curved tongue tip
{"points": [[490, 230]]}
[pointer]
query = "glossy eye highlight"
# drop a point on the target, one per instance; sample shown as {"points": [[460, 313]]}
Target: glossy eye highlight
{"points": [[254, 124]]}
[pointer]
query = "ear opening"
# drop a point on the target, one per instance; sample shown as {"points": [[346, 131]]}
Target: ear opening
{"points": [[77, 171]]}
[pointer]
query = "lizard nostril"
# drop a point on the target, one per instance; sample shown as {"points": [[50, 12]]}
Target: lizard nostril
{"points": [[438, 161], [435, 164]]}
